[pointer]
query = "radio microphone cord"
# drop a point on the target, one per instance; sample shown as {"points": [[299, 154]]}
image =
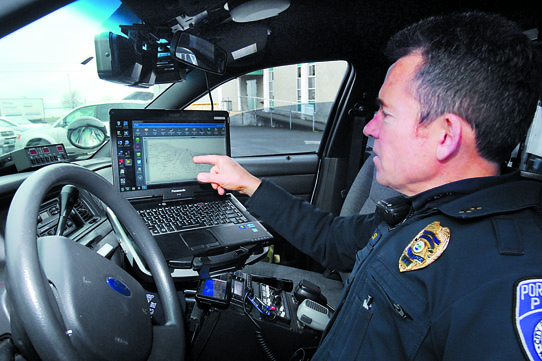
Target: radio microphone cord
{"points": [[259, 334]]}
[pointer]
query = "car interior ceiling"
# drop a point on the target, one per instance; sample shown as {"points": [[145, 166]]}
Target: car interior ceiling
{"points": [[366, 25], [304, 33]]}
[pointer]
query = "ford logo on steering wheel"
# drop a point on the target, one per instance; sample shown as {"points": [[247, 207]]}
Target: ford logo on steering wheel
{"points": [[118, 286]]}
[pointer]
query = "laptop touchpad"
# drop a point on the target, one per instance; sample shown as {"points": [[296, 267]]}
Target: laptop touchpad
{"points": [[199, 239]]}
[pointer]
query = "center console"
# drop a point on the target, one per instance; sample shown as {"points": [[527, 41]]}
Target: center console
{"points": [[239, 315]]}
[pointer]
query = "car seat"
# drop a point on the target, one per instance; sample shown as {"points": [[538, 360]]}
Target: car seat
{"points": [[362, 197]]}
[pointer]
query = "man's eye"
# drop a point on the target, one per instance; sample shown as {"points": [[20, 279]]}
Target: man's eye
{"points": [[381, 110]]}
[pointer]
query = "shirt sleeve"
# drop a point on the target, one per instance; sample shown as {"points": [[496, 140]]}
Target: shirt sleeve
{"points": [[332, 241]]}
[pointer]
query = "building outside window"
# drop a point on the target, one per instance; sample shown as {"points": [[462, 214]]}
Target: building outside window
{"points": [[280, 110]]}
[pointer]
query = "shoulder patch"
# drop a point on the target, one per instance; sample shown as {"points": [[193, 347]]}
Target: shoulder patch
{"points": [[528, 316]]}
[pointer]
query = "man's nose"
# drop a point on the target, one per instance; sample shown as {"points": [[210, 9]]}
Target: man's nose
{"points": [[371, 128]]}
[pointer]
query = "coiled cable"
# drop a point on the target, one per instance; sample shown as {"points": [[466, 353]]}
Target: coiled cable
{"points": [[259, 334]]}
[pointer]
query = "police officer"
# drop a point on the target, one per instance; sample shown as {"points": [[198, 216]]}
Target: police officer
{"points": [[460, 276]]}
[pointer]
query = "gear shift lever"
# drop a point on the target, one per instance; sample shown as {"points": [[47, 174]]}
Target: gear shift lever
{"points": [[68, 197]]}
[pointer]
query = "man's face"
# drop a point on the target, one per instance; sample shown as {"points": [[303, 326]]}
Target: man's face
{"points": [[402, 147]]}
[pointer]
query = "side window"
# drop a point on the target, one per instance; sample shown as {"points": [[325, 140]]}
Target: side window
{"points": [[530, 157], [279, 110]]}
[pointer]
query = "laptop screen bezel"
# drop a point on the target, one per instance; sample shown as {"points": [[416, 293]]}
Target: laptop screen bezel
{"points": [[177, 190]]}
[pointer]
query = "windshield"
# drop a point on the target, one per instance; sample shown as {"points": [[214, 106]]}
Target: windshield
{"points": [[49, 75]]}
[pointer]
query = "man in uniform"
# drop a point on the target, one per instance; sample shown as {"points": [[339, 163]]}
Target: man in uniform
{"points": [[459, 277]]}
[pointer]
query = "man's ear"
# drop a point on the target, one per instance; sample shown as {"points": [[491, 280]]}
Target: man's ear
{"points": [[450, 133]]}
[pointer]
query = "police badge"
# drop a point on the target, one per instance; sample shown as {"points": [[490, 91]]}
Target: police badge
{"points": [[425, 248], [528, 316]]}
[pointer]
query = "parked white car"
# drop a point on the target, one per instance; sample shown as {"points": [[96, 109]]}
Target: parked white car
{"points": [[7, 140], [57, 132], [19, 125]]}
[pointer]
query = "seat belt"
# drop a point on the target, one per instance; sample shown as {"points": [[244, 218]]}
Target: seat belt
{"points": [[358, 143]]}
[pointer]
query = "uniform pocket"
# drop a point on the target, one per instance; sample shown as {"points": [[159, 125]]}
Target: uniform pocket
{"points": [[400, 313], [382, 318], [350, 329]]}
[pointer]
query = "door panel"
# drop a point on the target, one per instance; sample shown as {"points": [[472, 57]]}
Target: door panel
{"points": [[295, 173]]}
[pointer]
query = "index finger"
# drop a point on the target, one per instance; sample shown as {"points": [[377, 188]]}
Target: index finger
{"points": [[208, 159]]}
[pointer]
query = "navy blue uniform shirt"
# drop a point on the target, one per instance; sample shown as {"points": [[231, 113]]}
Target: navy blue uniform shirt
{"points": [[460, 279]]}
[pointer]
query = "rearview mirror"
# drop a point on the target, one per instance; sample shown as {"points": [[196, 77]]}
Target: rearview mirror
{"points": [[198, 53], [87, 133]]}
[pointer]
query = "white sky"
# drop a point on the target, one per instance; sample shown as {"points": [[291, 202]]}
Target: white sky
{"points": [[43, 60]]}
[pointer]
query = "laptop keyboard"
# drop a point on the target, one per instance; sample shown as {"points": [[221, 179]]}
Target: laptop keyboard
{"points": [[168, 219]]}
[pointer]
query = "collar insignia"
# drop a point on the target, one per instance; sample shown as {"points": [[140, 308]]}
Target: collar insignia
{"points": [[425, 248], [528, 316]]}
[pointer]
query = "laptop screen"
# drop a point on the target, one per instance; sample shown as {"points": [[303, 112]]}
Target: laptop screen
{"points": [[152, 150]]}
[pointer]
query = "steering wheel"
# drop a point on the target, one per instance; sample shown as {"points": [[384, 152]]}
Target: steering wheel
{"points": [[66, 302]]}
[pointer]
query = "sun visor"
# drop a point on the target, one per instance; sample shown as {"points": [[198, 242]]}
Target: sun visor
{"points": [[245, 43]]}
